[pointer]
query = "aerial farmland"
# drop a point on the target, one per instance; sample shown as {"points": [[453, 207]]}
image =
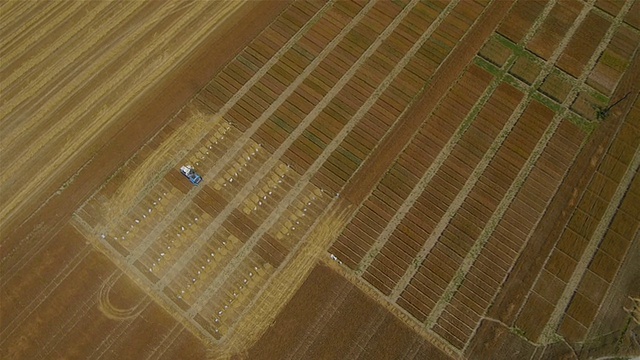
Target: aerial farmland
{"points": [[406, 179]]}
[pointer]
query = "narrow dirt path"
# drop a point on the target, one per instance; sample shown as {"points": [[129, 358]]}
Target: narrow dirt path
{"points": [[49, 210], [513, 293], [382, 157]]}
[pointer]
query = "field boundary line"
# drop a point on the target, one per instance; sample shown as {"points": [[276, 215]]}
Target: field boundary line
{"points": [[601, 229], [167, 342], [356, 118], [79, 314], [120, 330], [365, 337], [262, 171], [606, 299], [461, 196], [241, 141], [144, 284], [424, 181], [494, 220], [538, 23], [395, 310], [573, 94]]}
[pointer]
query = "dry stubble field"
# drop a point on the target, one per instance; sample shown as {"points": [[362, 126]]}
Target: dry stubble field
{"points": [[409, 179]]}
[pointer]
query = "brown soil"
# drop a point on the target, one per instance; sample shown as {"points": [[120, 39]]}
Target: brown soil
{"points": [[386, 152], [67, 294], [521, 278], [329, 318], [39, 246]]}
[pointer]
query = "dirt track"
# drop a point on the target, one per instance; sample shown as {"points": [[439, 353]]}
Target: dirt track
{"points": [[40, 222]]}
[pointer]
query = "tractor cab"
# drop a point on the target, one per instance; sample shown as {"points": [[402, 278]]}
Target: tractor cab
{"points": [[191, 174]]}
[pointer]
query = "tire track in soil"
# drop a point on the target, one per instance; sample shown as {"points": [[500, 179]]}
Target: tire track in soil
{"points": [[167, 342], [104, 303], [160, 298], [239, 144], [284, 282], [42, 238], [328, 311], [44, 294], [119, 331], [433, 338], [78, 316], [366, 334]]}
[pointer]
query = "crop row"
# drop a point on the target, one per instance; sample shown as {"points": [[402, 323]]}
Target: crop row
{"points": [[494, 261], [615, 244], [413, 162], [614, 60], [455, 239]]}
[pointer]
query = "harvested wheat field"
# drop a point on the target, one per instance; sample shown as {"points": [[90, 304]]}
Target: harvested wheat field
{"points": [[407, 179]]}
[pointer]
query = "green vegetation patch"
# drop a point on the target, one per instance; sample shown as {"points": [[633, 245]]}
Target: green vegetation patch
{"points": [[495, 51], [526, 69], [557, 85], [583, 124], [615, 62], [546, 101]]}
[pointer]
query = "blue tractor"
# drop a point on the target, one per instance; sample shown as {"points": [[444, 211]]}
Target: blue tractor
{"points": [[191, 174]]}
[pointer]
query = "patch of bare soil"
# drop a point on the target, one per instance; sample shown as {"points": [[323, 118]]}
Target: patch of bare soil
{"points": [[63, 299], [330, 318]]}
